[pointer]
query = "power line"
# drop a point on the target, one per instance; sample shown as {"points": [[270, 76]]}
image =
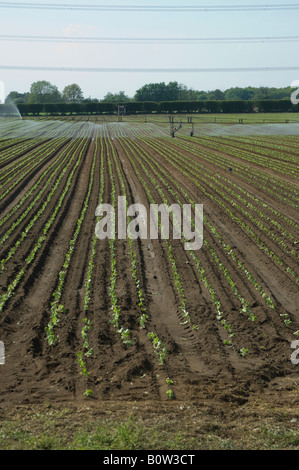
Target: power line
{"points": [[151, 8], [148, 40], [148, 70]]}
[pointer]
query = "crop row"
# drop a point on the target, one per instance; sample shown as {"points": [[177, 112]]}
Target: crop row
{"points": [[56, 307], [40, 155], [208, 175], [18, 205], [207, 223], [67, 151], [17, 150], [157, 343], [42, 238], [86, 350], [202, 274], [25, 232], [229, 182], [255, 156], [240, 265], [278, 148], [201, 174], [274, 185]]}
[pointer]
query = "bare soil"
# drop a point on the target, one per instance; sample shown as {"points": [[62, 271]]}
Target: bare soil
{"points": [[209, 377]]}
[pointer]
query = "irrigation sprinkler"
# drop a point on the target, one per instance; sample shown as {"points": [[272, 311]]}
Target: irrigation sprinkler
{"points": [[189, 121], [121, 110], [173, 129], [192, 131]]}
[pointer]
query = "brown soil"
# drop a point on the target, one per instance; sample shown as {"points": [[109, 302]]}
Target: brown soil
{"points": [[198, 362]]}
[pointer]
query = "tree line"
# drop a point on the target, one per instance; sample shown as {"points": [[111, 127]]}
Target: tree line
{"points": [[152, 98], [44, 92], [178, 92]]}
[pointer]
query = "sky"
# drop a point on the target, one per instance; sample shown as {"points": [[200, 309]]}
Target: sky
{"points": [[141, 24]]}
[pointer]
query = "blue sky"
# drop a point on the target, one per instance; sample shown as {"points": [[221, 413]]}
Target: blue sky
{"points": [[148, 24]]}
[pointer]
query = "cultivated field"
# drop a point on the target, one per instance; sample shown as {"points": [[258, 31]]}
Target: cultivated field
{"points": [[89, 319]]}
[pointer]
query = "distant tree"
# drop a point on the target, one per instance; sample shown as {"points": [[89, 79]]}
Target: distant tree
{"points": [[280, 93], [215, 95], [72, 94], [186, 94], [201, 95], [237, 93], [119, 97], [90, 100], [17, 98], [261, 93], [44, 92], [147, 93], [172, 91], [158, 92]]}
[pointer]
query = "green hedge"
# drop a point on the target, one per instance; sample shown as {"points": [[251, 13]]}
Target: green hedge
{"points": [[163, 107]]}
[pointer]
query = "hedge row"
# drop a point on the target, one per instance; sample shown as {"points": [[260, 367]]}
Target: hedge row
{"points": [[163, 107]]}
